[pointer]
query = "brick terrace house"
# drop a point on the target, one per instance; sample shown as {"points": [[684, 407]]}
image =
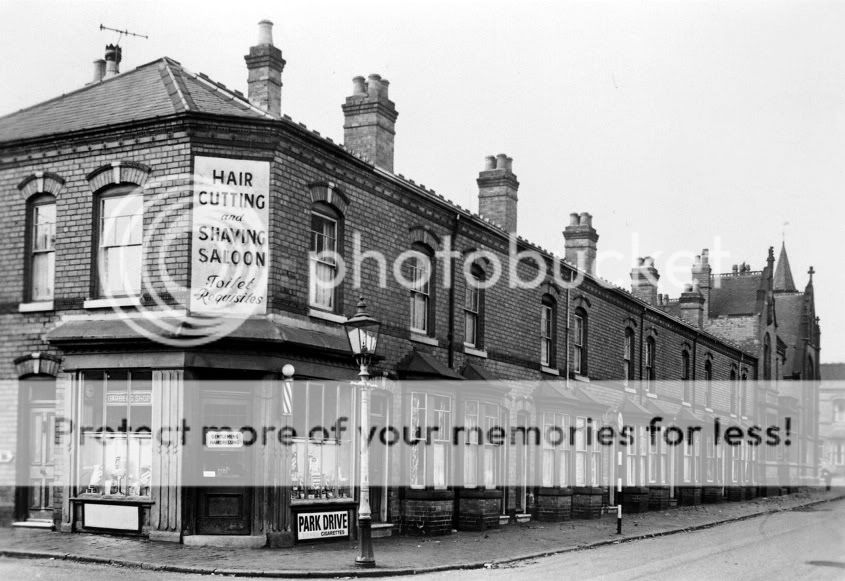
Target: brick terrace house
{"points": [[73, 167]]}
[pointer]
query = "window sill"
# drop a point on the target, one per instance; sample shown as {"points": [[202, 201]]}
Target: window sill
{"points": [[651, 395], [549, 370], [134, 301], [311, 501], [583, 378], [471, 350], [631, 390], [707, 409], [35, 307], [686, 403], [425, 339], [326, 316]]}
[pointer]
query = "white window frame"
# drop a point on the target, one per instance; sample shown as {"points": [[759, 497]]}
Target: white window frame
{"points": [[321, 257]]}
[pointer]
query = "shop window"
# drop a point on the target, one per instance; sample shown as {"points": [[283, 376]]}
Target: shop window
{"points": [[628, 356], [839, 453], [548, 328], [422, 285], [41, 251], [115, 451], [473, 309], [321, 462], [481, 458], [119, 242], [555, 461], [323, 257], [587, 456], [579, 342], [429, 464]]}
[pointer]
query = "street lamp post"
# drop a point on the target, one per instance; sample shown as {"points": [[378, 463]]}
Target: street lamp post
{"points": [[362, 331]]}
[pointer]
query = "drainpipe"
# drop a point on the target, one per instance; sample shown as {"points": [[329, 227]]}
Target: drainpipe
{"points": [[642, 340], [450, 336], [694, 358], [566, 339]]}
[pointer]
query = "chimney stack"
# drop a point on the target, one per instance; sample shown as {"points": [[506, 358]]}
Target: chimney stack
{"points": [[370, 120], [644, 279], [701, 277], [581, 239], [113, 58], [497, 187], [265, 65], [692, 306], [99, 71]]}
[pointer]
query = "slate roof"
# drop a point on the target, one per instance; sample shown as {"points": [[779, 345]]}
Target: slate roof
{"points": [[783, 281], [157, 89], [833, 371], [735, 295]]}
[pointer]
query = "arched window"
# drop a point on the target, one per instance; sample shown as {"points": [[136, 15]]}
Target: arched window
{"points": [[474, 309], [548, 331], [741, 395], [767, 357], [650, 371], [120, 213], [708, 378], [40, 248], [733, 390], [579, 341], [326, 243], [422, 277], [628, 355], [685, 376]]}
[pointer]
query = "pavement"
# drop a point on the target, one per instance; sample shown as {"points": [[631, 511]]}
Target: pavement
{"points": [[394, 555]]}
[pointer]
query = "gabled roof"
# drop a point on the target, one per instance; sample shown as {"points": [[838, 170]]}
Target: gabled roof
{"points": [[735, 295], [157, 89], [783, 281]]}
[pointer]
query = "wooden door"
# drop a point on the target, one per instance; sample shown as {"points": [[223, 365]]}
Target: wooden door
{"points": [[224, 503]]}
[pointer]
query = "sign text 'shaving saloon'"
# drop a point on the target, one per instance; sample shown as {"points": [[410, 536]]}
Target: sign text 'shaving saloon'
{"points": [[230, 246], [322, 525]]}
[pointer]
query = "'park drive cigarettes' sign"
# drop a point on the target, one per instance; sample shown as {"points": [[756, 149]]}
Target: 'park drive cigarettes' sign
{"points": [[230, 246], [322, 525]]}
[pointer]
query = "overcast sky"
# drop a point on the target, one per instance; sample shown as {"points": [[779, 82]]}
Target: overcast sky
{"points": [[678, 125]]}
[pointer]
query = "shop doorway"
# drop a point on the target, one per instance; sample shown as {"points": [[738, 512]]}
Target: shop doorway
{"points": [[379, 460], [224, 503], [34, 497]]}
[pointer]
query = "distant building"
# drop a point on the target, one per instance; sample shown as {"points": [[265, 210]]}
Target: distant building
{"points": [[832, 417]]}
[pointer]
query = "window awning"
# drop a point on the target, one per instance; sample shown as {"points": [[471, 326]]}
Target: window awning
{"points": [[422, 365]]}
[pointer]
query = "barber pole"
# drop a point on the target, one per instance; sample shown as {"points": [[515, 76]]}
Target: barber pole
{"points": [[619, 492]]}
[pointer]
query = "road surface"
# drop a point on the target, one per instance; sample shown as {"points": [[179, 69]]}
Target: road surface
{"points": [[801, 544]]}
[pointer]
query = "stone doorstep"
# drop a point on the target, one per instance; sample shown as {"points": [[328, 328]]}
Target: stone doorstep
{"points": [[381, 529], [228, 541], [34, 524], [523, 517]]}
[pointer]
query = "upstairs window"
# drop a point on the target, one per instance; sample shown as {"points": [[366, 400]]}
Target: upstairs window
{"points": [[685, 376], [473, 309], [119, 243], [548, 318], [41, 261], [628, 356], [767, 357], [839, 410], [733, 394], [579, 341], [650, 372], [323, 258], [708, 378], [421, 297]]}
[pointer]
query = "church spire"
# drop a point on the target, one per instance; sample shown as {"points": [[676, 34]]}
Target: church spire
{"points": [[783, 281]]}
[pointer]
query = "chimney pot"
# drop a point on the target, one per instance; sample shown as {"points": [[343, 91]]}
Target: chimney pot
{"points": [[580, 241], [99, 70], [573, 219], [374, 86], [501, 161], [359, 86], [113, 58], [586, 219], [490, 163], [509, 163], [497, 192], [265, 32]]}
